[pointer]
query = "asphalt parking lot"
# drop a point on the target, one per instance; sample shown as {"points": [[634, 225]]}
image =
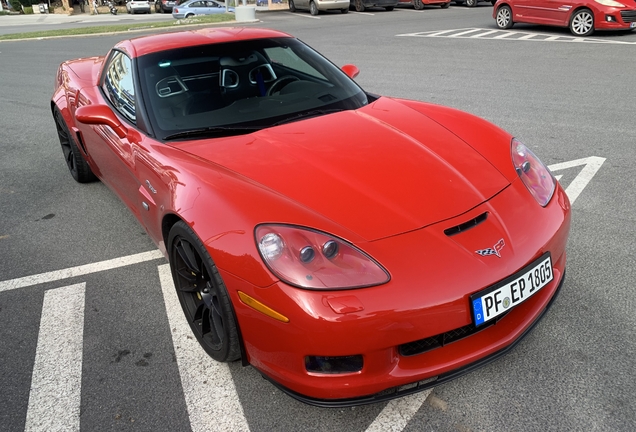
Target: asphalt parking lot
{"points": [[135, 368]]}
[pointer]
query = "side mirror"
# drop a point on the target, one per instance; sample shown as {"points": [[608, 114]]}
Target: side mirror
{"points": [[351, 70], [101, 115]]}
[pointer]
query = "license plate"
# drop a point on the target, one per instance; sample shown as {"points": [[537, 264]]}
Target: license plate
{"points": [[503, 296]]}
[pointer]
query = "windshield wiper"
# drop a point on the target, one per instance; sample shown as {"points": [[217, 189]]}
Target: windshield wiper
{"points": [[308, 114], [214, 131]]}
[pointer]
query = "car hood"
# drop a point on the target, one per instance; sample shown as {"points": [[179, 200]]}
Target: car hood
{"points": [[378, 171]]}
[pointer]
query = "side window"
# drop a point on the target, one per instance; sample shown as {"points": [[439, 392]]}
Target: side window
{"points": [[286, 57], [118, 85]]}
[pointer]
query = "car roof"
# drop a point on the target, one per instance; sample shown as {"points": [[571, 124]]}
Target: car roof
{"points": [[167, 41]]}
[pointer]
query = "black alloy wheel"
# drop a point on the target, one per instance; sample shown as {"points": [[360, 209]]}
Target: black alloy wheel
{"points": [[202, 294], [77, 165]]}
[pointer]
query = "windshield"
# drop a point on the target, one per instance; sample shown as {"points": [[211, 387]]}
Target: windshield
{"points": [[241, 86]]}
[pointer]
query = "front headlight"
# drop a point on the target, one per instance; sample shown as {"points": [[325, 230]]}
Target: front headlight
{"points": [[611, 3], [315, 260], [534, 174]]}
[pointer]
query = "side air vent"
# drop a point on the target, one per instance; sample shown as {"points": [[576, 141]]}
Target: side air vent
{"points": [[466, 225]]}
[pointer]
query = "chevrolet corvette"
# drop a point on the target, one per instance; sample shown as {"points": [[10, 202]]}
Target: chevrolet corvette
{"points": [[351, 247]]}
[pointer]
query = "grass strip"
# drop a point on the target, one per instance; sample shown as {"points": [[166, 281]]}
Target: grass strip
{"points": [[118, 28]]}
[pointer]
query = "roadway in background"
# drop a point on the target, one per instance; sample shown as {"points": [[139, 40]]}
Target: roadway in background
{"points": [[567, 101]]}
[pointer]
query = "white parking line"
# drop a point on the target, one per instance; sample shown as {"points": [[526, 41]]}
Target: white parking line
{"points": [[592, 165], [464, 32], [56, 384], [302, 15], [79, 270], [209, 390], [469, 33], [397, 413], [504, 35], [484, 34]]}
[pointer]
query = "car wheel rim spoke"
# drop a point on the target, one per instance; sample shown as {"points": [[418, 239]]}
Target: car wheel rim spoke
{"points": [[188, 256]]}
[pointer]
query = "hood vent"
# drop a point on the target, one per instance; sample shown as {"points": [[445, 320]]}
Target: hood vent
{"points": [[466, 225]]}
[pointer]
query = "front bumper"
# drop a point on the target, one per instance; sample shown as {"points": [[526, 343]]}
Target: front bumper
{"points": [[405, 390], [610, 18], [432, 278]]}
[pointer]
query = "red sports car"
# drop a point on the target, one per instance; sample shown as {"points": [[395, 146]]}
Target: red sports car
{"points": [[350, 247], [581, 16]]}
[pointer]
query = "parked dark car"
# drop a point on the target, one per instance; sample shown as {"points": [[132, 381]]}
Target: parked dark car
{"points": [[472, 3], [165, 6], [361, 5]]}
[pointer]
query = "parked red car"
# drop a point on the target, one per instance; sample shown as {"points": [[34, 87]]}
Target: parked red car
{"points": [[583, 17], [351, 247]]}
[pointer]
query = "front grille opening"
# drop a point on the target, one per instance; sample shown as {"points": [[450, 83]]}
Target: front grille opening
{"points": [[437, 341], [466, 225], [334, 365]]}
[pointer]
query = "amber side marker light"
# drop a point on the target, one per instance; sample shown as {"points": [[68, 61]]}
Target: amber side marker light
{"points": [[255, 304]]}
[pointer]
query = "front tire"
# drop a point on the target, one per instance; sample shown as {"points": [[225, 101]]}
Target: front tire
{"points": [[445, 5], [471, 3], [77, 165], [313, 9], [504, 17], [202, 294], [418, 5], [582, 23], [292, 6]]}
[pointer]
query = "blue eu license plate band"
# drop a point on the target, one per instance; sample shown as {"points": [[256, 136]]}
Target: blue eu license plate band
{"points": [[498, 299]]}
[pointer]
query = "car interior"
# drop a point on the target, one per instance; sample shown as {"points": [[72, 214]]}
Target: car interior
{"points": [[184, 93]]}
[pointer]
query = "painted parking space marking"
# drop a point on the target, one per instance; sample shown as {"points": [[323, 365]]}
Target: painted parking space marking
{"points": [[209, 390], [591, 165], [397, 413], [482, 33], [54, 399], [79, 270]]}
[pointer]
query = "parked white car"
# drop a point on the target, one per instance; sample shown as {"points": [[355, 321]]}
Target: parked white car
{"points": [[136, 6], [316, 6]]}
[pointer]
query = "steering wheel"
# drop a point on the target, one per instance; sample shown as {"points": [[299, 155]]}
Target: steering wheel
{"points": [[281, 82]]}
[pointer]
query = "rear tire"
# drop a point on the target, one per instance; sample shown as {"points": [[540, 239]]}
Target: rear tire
{"points": [[292, 6], [313, 9], [359, 6], [471, 3], [445, 5], [418, 5]]}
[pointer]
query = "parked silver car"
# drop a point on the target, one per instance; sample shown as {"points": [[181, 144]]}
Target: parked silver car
{"points": [[316, 6]]}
